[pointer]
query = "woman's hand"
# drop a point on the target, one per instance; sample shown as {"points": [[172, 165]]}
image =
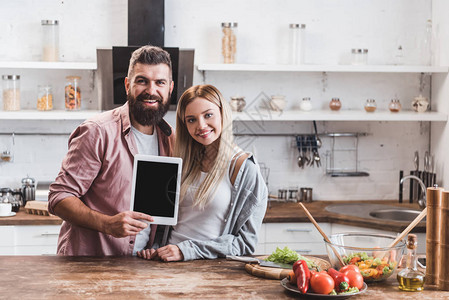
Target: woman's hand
{"points": [[168, 253], [145, 253]]}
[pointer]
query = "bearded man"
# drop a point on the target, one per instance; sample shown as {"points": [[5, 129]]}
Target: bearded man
{"points": [[92, 191]]}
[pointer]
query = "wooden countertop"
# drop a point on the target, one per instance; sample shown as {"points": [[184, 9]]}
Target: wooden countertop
{"points": [[23, 218], [292, 212], [279, 212], [57, 277]]}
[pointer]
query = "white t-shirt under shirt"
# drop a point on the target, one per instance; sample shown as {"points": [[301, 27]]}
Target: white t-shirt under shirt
{"points": [[202, 224], [148, 145]]}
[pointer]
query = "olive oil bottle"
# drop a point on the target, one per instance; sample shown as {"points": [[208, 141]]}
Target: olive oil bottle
{"points": [[411, 279]]}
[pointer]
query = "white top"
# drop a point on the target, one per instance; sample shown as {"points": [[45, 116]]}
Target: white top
{"points": [[202, 224], [146, 144]]}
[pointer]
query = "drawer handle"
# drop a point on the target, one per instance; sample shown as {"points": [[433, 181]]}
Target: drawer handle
{"points": [[49, 233], [303, 250], [298, 230]]}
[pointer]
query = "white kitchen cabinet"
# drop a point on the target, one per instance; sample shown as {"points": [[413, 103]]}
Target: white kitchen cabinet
{"points": [[300, 237], [29, 240]]}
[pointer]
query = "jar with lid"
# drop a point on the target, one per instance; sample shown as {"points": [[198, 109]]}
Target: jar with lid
{"points": [[335, 104], [359, 56], [370, 105], [395, 105], [305, 104], [229, 42], [72, 93], [45, 97], [50, 40], [11, 92], [296, 43], [7, 197], [237, 103]]}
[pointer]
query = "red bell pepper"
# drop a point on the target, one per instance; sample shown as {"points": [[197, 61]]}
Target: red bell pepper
{"points": [[302, 274], [340, 279]]}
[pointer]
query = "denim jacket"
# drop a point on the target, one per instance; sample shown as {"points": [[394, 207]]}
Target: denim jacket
{"points": [[249, 197]]}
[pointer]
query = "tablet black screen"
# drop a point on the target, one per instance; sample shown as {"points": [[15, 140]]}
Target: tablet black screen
{"points": [[155, 188]]}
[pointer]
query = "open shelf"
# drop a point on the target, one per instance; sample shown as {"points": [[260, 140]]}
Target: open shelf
{"points": [[47, 115], [343, 115], [48, 65], [324, 68]]}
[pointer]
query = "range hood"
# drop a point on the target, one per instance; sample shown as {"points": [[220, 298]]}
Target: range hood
{"points": [[145, 27]]}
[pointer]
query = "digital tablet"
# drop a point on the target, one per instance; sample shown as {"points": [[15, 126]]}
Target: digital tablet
{"points": [[156, 186]]}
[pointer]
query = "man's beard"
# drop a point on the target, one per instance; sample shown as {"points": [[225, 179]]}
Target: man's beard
{"points": [[147, 116]]}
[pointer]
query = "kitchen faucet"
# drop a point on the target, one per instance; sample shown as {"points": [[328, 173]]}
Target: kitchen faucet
{"points": [[423, 201]]}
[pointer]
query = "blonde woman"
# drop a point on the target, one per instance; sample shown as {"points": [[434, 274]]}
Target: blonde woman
{"points": [[223, 195]]}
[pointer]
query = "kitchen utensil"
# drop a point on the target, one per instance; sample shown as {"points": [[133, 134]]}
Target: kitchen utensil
{"points": [[361, 249], [318, 140], [321, 232], [409, 228], [413, 188], [263, 263], [28, 189]]}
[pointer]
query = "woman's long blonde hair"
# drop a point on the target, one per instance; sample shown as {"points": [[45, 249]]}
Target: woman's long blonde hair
{"points": [[192, 152]]}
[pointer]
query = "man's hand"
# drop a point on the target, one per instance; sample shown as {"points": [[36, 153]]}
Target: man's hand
{"points": [[146, 253], [167, 253], [126, 223]]}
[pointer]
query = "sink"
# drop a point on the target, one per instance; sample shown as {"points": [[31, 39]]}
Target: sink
{"points": [[396, 214], [375, 211]]}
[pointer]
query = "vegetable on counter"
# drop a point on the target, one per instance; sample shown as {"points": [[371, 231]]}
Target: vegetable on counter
{"points": [[348, 281], [288, 256], [302, 274], [340, 279]]}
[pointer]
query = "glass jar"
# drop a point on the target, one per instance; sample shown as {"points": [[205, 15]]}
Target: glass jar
{"points": [[45, 98], [229, 42], [72, 93], [420, 104], [237, 103], [359, 56], [306, 104], [395, 105], [296, 43], [370, 105], [11, 92], [335, 104], [50, 40]]}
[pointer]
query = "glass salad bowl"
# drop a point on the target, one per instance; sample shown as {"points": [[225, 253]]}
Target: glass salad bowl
{"points": [[370, 252]]}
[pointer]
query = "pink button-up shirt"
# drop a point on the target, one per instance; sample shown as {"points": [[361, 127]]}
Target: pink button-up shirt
{"points": [[98, 170]]}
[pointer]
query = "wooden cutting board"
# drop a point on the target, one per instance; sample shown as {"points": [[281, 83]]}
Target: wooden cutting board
{"points": [[278, 273]]}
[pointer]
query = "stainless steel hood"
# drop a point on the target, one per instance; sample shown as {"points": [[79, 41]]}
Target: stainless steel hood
{"points": [[145, 27]]}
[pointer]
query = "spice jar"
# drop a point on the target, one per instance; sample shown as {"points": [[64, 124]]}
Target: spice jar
{"points": [[72, 93], [395, 105], [306, 104], [335, 104], [420, 104], [370, 105], [45, 98], [50, 40], [359, 56], [229, 42], [11, 92]]}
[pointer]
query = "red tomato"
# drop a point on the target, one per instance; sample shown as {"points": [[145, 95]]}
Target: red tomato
{"points": [[349, 267], [355, 278], [322, 283]]}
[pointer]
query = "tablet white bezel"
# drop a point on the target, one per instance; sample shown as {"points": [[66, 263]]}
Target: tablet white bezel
{"points": [[160, 159]]}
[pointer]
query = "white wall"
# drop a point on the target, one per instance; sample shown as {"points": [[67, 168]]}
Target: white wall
{"points": [[379, 26]]}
